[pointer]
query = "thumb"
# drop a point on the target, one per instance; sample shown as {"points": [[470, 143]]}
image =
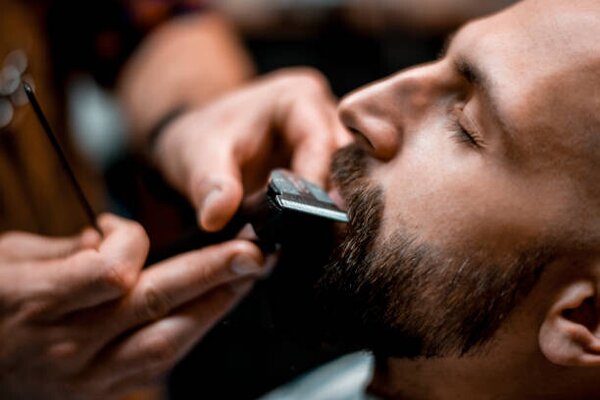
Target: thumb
{"points": [[217, 191]]}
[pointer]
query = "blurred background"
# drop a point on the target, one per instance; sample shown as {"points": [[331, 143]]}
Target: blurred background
{"points": [[73, 52]]}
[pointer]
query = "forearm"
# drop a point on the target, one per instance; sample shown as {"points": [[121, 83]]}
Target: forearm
{"points": [[186, 62]]}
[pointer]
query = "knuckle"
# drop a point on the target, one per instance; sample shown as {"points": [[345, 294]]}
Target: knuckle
{"points": [[207, 270], [197, 182], [155, 303], [161, 352], [306, 79], [311, 80], [118, 276], [86, 257], [101, 273], [63, 350], [34, 309]]}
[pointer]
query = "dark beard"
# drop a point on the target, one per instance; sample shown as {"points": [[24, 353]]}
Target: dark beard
{"points": [[405, 298]]}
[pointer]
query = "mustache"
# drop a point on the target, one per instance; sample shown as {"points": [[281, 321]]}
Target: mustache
{"points": [[350, 175], [348, 166], [364, 200]]}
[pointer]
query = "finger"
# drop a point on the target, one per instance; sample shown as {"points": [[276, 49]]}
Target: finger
{"points": [[343, 137], [160, 290], [312, 127], [216, 188], [247, 233], [20, 246], [156, 348], [125, 243], [172, 283], [165, 287], [92, 277]]}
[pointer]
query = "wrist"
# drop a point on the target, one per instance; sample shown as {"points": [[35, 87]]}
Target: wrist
{"points": [[159, 128], [166, 151]]}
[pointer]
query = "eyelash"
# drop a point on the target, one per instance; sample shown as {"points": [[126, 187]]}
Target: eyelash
{"points": [[461, 134]]}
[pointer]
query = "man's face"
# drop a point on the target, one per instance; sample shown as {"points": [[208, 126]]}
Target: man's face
{"points": [[470, 174]]}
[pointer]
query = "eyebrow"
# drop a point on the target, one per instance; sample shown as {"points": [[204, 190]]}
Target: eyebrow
{"points": [[474, 75], [468, 70]]}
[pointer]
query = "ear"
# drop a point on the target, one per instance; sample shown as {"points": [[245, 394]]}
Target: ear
{"points": [[570, 333]]}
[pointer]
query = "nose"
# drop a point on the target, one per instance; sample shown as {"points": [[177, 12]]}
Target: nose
{"points": [[380, 115]]}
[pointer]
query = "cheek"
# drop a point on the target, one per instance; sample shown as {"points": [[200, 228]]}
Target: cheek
{"points": [[453, 198]]}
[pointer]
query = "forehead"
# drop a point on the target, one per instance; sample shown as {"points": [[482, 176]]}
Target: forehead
{"points": [[552, 31], [535, 48]]}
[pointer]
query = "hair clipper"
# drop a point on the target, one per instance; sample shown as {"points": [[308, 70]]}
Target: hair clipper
{"points": [[290, 210]]}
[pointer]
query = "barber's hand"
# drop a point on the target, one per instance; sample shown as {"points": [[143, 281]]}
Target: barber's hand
{"points": [[218, 153], [79, 319]]}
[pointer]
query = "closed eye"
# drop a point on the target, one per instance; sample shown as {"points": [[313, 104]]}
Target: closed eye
{"points": [[460, 132], [462, 135]]}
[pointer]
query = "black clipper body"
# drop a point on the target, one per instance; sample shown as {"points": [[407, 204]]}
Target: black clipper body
{"points": [[291, 207]]}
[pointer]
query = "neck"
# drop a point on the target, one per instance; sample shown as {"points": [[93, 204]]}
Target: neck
{"points": [[514, 376]]}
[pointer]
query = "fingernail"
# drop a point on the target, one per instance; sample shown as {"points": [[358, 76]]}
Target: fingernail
{"points": [[270, 262], [208, 202], [241, 287], [245, 265]]}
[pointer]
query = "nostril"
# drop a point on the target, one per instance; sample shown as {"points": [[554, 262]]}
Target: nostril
{"points": [[361, 139], [354, 131]]}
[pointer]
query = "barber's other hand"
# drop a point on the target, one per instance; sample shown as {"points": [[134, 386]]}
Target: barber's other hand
{"points": [[218, 153], [79, 319]]}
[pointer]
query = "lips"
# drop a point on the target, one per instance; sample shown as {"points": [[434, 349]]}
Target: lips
{"points": [[340, 230], [337, 198]]}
